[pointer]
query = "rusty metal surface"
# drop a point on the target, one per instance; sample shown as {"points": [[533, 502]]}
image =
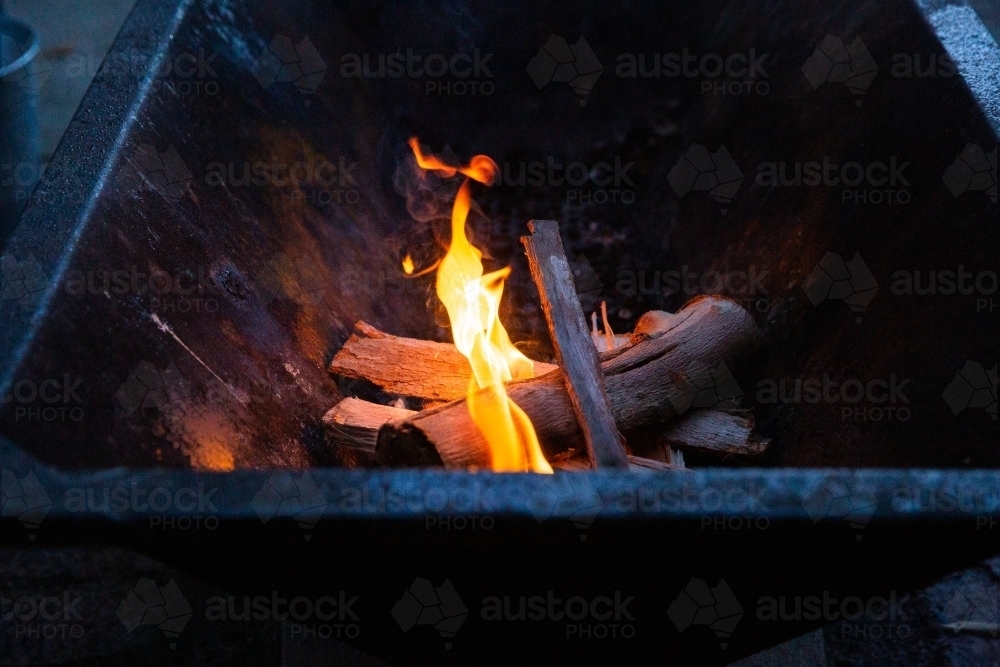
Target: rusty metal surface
{"points": [[230, 375], [150, 181]]}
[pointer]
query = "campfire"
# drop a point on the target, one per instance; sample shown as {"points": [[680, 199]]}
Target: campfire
{"points": [[609, 401]]}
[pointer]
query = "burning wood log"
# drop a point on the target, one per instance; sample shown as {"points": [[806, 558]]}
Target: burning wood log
{"points": [[574, 347], [652, 381], [406, 366], [355, 423]]}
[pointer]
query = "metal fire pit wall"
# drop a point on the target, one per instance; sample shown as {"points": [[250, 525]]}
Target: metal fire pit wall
{"points": [[212, 373]]}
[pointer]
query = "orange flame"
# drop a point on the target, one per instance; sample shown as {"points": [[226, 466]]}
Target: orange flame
{"points": [[472, 300]]}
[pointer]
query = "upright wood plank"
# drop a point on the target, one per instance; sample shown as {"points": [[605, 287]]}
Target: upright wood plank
{"points": [[573, 344]]}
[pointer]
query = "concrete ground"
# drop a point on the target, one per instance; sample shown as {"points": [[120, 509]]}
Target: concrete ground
{"points": [[75, 36]]}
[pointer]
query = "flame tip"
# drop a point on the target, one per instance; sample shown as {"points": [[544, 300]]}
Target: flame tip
{"points": [[472, 300]]}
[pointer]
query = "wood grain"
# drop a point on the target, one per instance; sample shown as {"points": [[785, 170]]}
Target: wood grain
{"points": [[406, 366], [654, 381], [574, 347]]}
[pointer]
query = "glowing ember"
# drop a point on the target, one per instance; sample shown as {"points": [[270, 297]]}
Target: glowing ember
{"points": [[407, 265], [472, 300]]}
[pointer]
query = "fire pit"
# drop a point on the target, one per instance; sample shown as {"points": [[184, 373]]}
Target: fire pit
{"points": [[231, 201]]}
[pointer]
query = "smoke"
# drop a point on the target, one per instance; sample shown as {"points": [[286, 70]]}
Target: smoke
{"points": [[428, 196], [429, 200]]}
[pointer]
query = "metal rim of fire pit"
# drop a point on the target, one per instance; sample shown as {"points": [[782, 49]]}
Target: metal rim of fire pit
{"points": [[90, 148], [84, 159]]}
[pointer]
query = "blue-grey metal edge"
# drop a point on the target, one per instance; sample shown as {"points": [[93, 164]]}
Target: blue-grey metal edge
{"points": [[972, 47], [911, 495]]}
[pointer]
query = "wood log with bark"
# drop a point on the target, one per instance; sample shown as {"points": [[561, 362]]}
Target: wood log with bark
{"points": [[354, 423], [574, 347], [720, 434], [420, 369], [727, 436], [661, 376]]}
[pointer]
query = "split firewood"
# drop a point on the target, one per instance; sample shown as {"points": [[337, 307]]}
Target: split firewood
{"points": [[574, 348], [355, 423], [674, 457], [406, 366], [581, 464], [607, 339], [652, 381], [720, 434], [638, 462], [652, 323]]}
